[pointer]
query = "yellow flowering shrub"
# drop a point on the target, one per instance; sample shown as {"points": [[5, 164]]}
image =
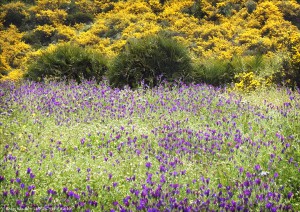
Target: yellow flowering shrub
{"points": [[50, 4], [131, 19], [54, 16], [13, 13], [247, 81], [65, 33], [217, 29], [14, 75], [13, 49], [48, 30]]}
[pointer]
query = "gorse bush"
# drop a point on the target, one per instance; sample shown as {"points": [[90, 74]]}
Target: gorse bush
{"points": [[150, 60], [68, 62]]}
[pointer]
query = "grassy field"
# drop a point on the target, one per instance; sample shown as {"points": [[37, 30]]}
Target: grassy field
{"points": [[89, 147]]}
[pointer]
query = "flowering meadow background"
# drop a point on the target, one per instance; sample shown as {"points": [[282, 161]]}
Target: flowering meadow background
{"points": [[149, 105], [170, 148]]}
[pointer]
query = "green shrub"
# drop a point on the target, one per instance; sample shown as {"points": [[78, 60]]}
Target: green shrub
{"points": [[150, 59], [250, 5], [195, 10], [79, 17], [14, 17], [215, 72], [37, 39], [68, 62]]}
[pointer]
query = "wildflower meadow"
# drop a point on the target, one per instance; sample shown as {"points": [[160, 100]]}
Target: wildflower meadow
{"points": [[150, 105], [90, 147]]}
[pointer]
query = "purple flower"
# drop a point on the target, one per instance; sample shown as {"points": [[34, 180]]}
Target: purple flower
{"points": [[273, 209], [269, 205], [249, 175], [275, 175], [70, 193], [148, 165], [32, 175], [22, 185], [257, 181], [4, 193], [162, 168], [241, 169], [115, 184], [31, 187], [257, 167], [2, 178], [290, 194], [126, 201], [247, 193], [28, 170], [163, 179], [76, 196]]}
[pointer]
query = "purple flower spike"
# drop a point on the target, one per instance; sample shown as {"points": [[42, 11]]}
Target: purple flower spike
{"points": [[65, 189], [269, 205], [2, 178], [290, 195], [148, 165], [32, 175], [241, 169], [275, 175], [249, 175], [28, 170], [257, 167]]}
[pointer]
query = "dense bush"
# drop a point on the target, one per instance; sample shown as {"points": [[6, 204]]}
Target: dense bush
{"points": [[214, 72], [38, 38], [79, 17], [70, 62], [150, 59]]}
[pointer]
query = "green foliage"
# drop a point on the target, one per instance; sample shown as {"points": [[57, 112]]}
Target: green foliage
{"points": [[150, 59], [24, 1], [38, 38], [15, 17], [195, 10], [250, 5], [70, 62], [79, 17], [215, 72]]}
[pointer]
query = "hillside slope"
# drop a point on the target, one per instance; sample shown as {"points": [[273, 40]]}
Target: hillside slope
{"points": [[210, 29]]}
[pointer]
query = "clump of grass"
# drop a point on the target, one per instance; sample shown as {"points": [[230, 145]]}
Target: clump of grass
{"points": [[152, 59], [68, 62]]}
